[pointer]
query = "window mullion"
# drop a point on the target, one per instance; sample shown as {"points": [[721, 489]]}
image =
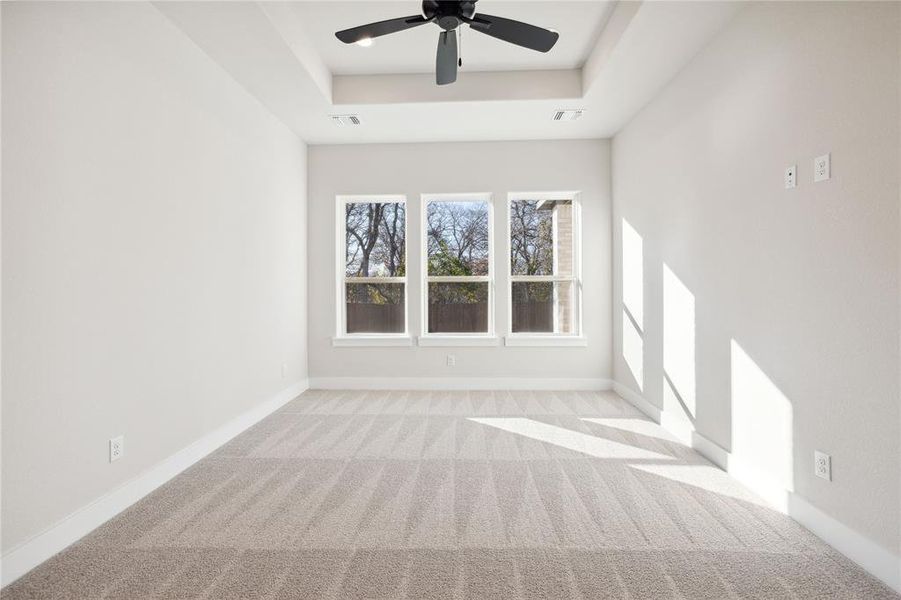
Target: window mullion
{"points": [[375, 280], [458, 279], [540, 278]]}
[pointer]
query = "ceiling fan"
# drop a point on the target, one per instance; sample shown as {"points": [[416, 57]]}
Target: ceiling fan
{"points": [[449, 16]]}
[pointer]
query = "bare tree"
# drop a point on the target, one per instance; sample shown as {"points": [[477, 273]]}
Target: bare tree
{"points": [[459, 231], [375, 239], [531, 239], [392, 251], [363, 227], [375, 245]]}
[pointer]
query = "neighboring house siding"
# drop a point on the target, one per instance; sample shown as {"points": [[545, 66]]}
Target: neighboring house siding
{"points": [[563, 215]]}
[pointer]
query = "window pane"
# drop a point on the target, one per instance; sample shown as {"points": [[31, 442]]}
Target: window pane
{"points": [[375, 307], [458, 308], [457, 238], [541, 237], [375, 239], [543, 307]]}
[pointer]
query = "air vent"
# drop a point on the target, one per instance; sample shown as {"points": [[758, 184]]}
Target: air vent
{"points": [[342, 120], [569, 114]]}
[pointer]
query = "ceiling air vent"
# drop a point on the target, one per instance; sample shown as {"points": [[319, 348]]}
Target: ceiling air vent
{"points": [[569, 114], [342, 120]]}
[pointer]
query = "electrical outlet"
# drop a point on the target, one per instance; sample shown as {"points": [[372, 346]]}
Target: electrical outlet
{"points": [[116, 448], [822, 465], [791, 177], [821, 168], [451, 360]]}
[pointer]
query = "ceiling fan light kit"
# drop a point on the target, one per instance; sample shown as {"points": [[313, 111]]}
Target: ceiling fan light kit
{"points": [[449, 16]]}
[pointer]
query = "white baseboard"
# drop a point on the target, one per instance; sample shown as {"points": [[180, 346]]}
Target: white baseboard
{"points": [[679, 425], [24, 557], [872, 557], [457, 383], [710, 450], [637, 401]]}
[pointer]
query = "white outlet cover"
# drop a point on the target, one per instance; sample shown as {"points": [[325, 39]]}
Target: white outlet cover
{"points": [[822, 465], [116, 448], [451, 360], [791, 177], [821, 168]]}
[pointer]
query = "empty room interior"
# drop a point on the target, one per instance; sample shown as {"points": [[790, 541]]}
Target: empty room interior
{"points": [[489, 299]]}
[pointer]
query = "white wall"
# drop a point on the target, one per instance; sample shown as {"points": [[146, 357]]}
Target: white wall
{"points": [[784, 304], [153, 252], [495, 167]]}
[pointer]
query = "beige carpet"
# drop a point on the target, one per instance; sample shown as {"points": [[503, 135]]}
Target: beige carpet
{"points": [[482, 495]]}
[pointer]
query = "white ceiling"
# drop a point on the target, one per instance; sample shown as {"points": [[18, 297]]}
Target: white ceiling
{"points": [[285, 54], [413, 51]]}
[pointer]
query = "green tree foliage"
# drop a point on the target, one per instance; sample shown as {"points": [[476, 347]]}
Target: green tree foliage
{"points": [[443, 261], [458, 246]]}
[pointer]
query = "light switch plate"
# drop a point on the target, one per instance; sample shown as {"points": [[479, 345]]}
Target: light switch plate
{"points": [[821, 168], [791, 177]]}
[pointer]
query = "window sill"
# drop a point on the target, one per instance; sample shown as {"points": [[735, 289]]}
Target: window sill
{"points": [[569, 341], [458, 340], [372, 340]]}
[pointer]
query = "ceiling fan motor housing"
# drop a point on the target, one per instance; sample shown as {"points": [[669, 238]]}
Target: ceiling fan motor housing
{"points": [[448, 15]]}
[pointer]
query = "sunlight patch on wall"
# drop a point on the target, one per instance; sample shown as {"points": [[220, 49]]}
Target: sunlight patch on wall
{"points": [[576, 441], [633, 350], [633, 302], [633, 273], [761, 423], [678, 345]]}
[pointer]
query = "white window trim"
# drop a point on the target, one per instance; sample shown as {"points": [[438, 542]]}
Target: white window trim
{"points": [[545, 340], [574, 339], [488, 338], [379, 340], [342, 338], [466, 340]]}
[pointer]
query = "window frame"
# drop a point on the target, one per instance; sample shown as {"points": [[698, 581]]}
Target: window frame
{"points": [[538, 338], [489, 337], [342, 337]]}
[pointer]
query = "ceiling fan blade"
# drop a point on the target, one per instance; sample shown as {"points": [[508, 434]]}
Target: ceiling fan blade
{"points": [[373, 30], [515, 32], [446, 60]]}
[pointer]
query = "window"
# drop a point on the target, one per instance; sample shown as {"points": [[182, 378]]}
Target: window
{"points": [[373, 259], [544, 264], [457, 264]]}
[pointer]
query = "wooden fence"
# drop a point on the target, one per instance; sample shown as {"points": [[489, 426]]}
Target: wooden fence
{"points": [[458, 318], [447, 318], [375, 318], [533, 317]]}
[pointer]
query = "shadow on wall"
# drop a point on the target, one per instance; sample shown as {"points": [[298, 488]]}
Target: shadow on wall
{"points": [[761, 445]]}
